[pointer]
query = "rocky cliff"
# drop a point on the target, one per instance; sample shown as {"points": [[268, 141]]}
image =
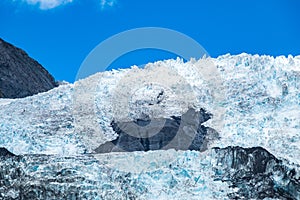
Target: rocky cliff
{"points": [[20, 75]]}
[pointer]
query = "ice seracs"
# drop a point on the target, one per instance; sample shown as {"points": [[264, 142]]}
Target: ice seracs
{"points": [[50, 140], [254, 102]]}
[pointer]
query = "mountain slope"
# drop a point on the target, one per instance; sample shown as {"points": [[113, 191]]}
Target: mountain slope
{"points": [[20, 75]]}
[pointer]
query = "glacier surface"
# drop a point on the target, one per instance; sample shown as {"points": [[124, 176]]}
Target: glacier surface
{"points": [[254, 101], [229, 173]]}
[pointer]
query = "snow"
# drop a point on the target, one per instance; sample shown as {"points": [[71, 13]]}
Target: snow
{"points": [[255, 101], [5, 101], [259, 112]]}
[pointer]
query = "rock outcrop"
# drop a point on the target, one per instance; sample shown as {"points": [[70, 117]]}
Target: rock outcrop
{"points": [[177, 132], [4, 152], [20, 75]]}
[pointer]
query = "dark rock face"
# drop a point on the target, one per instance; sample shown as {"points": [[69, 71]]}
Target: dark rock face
{"points": [[20, 75], [5, 153], [256, 173], [177, 132]]}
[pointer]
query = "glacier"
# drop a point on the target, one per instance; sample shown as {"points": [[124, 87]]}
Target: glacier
{"points": [[254, 102], [229, 173]]}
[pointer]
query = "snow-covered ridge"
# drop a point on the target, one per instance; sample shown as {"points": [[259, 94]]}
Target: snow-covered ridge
{"points": [[255, 101]]}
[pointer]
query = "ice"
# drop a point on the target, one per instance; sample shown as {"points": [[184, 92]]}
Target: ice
{"points": [[214, 174], [263, 103], [188, 175], [255, 101], [5, 101]]}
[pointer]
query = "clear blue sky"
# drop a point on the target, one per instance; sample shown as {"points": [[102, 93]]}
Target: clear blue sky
{"points": [[61, 36]]}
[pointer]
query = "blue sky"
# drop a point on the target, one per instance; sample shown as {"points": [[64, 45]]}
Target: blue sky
{"points": [[60, 33]]}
